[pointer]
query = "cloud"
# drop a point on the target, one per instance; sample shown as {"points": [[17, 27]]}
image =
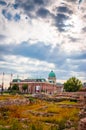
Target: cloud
{"points": [[17, 17], [42, 35], [28, 6], [3, 3], [60, 21], [39, 2], [20, 64], [64, 9], [2, 37], [36, 51], [84, 29], [7, 14], [52, 22], [43, 13], [44, 54], [72, 39], [73, 1]]}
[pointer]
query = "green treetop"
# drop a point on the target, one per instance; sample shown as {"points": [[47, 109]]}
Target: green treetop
{"points": [[72, 85]]}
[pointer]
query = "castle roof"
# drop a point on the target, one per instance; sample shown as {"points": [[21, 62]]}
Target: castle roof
{"points": [[52, 74]]}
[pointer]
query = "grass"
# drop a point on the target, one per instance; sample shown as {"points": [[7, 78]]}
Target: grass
{"points": [[8, 96], [35, 116], [68, 102]]}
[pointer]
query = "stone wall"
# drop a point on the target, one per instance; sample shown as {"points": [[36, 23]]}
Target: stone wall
{"points": [[82, 122], [14, 102]]}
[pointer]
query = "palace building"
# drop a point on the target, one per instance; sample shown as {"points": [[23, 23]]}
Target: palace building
{"points": [[39, 85]]}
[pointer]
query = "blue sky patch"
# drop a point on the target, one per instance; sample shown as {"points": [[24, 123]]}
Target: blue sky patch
{"points": [[17, 17]]}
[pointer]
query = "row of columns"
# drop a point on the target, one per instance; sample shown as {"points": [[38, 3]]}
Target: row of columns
{"points": [[32, 87]]}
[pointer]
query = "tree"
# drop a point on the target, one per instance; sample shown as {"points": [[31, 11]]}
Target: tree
{"points": [[15, 87], [72, 85], [25, 87]]}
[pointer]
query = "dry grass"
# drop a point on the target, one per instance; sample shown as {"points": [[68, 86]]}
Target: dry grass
{"points": [[22, 117], [7, 97]]}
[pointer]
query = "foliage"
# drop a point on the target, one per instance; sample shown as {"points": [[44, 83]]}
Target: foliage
{"points": [[32, 100], [9, 88], [72, 85], [25, 87], [15, 87]]}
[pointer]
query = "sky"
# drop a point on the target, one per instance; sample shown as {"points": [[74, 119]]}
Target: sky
{"points": [[37, 36]]}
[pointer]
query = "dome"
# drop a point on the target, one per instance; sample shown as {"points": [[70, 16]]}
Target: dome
{"points": [[52, 74]]}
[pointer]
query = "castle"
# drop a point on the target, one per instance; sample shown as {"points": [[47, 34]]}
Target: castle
{"points": [[39, 85]]}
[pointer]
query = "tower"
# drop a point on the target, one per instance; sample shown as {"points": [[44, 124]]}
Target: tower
{"points": [[52, 77]]}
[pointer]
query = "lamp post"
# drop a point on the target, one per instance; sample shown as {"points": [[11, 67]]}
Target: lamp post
{"points": [[2, 83], [11, 79]]}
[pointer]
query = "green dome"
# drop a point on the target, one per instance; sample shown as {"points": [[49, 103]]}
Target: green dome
{"points": [[52, 74]]}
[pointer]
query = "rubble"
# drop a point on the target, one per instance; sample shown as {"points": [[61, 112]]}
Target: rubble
{"points": [[14, 102]]}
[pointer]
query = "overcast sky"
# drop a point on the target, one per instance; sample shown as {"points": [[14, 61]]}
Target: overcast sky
{"points": [[37, 36]]}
